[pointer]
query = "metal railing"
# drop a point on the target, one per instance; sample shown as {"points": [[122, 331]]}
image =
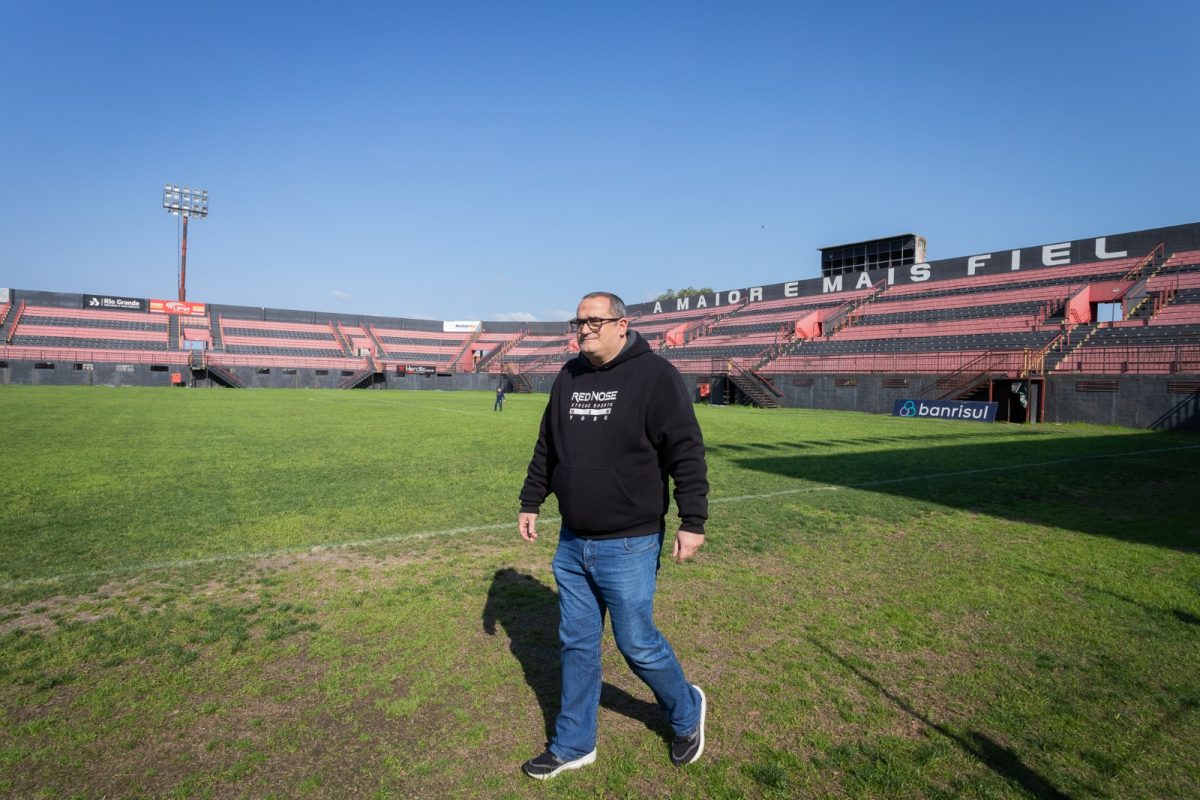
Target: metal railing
{"points": [[92, 355], [1155, 258], [1160, 359], [1007, 362], [840, 318]]}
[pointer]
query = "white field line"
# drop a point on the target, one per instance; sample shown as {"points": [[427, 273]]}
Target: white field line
{"points": [[184, 563], [228, 557]]}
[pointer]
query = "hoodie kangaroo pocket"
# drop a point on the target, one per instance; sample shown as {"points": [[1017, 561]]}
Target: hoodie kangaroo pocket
{"points": [[595, 499]]}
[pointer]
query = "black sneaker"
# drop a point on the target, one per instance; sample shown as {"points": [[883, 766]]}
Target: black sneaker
{"points": [[686, 749], [547, 765]]}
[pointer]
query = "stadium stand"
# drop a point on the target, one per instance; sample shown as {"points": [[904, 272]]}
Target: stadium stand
{"points": [[260, 337], [1124, 309], [535, 353], [438, 349], [47, 327], [943, 325]]}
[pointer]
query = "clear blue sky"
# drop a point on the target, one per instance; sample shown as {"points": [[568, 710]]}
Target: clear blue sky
{"points": [[495, 160]]}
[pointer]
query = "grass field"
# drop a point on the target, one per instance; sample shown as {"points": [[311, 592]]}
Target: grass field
{"points": [[321, 594]]}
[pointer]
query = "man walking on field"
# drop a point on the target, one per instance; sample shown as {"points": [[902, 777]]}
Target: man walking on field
{"points": [[619, 423]]}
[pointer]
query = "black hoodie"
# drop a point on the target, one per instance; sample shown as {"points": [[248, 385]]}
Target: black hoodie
{"points": [[610, 436]]}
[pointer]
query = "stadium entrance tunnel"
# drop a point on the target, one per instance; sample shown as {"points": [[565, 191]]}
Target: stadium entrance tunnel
{"points": [[1017, 400]]}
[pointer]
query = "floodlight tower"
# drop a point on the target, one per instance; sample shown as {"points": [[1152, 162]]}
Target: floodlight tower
{"points": [[185, 203]]}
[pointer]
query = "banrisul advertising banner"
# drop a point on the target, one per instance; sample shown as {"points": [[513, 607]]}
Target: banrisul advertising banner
{"points": [[970, 410], [99, 302]]}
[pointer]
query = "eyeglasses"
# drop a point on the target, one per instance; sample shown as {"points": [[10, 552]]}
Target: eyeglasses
{"points": [[593, 323]]}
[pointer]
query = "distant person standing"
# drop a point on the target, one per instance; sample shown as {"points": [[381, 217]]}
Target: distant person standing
{"points": [[499, 406], [618, 427]]}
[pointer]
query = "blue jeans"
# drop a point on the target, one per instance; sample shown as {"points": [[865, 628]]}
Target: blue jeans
{"points": [[617, 576]]}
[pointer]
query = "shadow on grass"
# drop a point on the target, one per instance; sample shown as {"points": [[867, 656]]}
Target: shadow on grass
{"points": [[1102, 485], [527, 611], [1186, 617], [993, 755]]}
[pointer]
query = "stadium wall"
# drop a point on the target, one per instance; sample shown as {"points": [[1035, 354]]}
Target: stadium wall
{"points": [[117, 375], [867, 393], [1141, 401], [66, 373], [1159, 401]]}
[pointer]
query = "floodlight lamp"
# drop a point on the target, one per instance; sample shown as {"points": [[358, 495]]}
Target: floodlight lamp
{"points": [[186, 201]]}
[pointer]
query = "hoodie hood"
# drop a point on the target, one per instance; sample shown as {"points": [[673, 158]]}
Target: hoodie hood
{"points": [[635, 346]]}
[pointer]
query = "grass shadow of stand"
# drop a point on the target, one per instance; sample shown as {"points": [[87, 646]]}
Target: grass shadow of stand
{"points": [[996, 757], [1186, 617], [995, 478], [527, 611]]}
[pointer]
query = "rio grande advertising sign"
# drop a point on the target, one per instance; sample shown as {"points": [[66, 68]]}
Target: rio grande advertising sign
{"points": [[100, 302]]}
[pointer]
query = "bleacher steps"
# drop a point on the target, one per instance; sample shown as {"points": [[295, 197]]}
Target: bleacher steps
{"points": [[757, 389], [1138, 297], [561, 355], [1146, 307], [960, 389], [498, 352], [462, 360], [361, 378], [379, 349], [226, 377], [341, 338], [520, 383], [980, 391], [691, 331], [842, 317], [964, 380], [1151, 263], [1079, 337], [12, 321]]}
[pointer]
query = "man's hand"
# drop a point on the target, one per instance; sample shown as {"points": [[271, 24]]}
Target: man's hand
{"points": [[686, 545], [527, 525]]}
